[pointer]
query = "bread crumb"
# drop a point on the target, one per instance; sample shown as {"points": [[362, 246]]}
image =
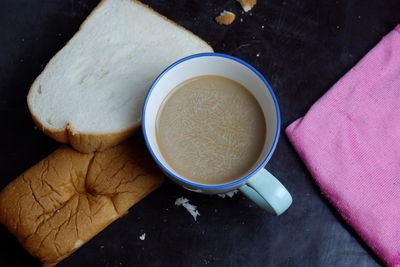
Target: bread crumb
{"points": [[229, 194], [78, 244], [247, 5], [142, 237], [225, 18], [192, 209]]}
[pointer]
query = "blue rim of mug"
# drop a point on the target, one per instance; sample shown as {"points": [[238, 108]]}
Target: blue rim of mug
{"points": [[267, 156]]}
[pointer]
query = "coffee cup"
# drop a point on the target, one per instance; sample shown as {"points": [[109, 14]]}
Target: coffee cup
{"points": [[257, 183]]}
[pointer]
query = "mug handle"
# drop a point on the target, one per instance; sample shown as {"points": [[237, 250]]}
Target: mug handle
{"points": [[267, 192]]}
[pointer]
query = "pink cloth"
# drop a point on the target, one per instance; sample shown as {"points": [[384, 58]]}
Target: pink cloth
{"points": [[350, 142]]}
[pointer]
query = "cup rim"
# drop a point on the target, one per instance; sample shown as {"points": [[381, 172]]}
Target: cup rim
{"points": [[267, 155]]}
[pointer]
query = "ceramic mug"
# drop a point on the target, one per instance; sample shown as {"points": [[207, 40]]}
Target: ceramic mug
{"points": [[258, 184]]}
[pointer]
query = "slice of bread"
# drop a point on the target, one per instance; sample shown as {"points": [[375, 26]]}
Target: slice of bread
{"points": [[67, 198], [91, 92]]}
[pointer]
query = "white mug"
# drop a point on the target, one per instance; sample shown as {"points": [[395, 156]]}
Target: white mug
{"points": [[258, 184]]}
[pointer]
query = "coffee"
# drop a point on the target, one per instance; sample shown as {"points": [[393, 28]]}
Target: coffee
{"points": [[210, 130]]}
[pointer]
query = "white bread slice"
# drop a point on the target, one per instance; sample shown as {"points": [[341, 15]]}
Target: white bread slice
{"points": [[91, 92]]}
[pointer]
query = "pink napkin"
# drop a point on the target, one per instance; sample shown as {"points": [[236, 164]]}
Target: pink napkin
{"points": [[350, 142]]}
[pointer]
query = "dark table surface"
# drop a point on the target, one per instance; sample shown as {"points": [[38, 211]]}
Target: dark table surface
{"points": [[304, 46]]}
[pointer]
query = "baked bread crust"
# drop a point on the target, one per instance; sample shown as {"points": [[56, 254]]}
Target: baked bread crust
{"points": [[225, 18], [247, 5], [67, 198], [86, 142]]}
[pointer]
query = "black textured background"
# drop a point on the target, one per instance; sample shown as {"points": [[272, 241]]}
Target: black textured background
{"points": [[304, 47]]}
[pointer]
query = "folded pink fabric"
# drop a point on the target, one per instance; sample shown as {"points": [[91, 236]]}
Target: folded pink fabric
{"points": [[350, 142]]}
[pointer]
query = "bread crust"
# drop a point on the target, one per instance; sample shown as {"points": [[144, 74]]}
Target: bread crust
{"points": [[91, 142], [226, 18], [247, 5], [62, 202], [86, 142]]}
